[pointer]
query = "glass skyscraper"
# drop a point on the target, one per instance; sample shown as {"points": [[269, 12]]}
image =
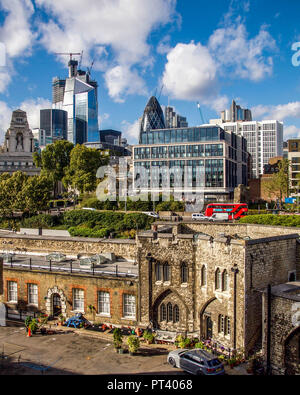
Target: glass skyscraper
{"points": [[54, 123], [153, 117], [80, 101]]}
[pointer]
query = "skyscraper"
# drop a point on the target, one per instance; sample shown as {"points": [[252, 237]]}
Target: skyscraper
{"points": [[77, 95], [55, 125], [153, 118], [174, 120], [236, 113]]}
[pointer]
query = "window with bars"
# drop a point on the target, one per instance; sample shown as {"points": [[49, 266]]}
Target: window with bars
{"points": [[176, 314], [78, 299], [225, 281], [169, 312], [166, 272], [12, 294], [128, 306], [221, 324], [158, 272], [227, 326], [33, 294], [163, 312], [104, 303]]}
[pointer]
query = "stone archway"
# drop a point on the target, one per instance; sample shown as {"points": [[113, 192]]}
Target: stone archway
{"points": [[49, 301]]}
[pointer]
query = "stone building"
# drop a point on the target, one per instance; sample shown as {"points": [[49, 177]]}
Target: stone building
{"points": [[201, 280], [18, 146], [281, 323]]}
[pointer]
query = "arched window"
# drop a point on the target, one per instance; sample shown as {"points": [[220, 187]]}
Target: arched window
{"points": [[227, 326], [184, 273], [158, 272], [169, 312], [203, 276], [221, 324], [163, 312], [218, 279], [166, 272], [176, 313], [225, 281]]}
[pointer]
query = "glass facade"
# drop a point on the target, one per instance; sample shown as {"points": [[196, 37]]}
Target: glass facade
{"points": [[54, 122], [153, 118]]}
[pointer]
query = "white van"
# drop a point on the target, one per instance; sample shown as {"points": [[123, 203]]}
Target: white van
{"points": [[219, 217]]}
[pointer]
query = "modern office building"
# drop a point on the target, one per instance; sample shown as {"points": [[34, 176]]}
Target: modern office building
{"points": [[77, 95], [236, 113], [111, 140], [294, 158], [264, 141], [153, 117], [174, 120], [207, 158], [55, 125]]}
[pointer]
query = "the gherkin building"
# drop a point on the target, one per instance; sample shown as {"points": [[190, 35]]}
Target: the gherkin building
{"points": [[153, 117]]}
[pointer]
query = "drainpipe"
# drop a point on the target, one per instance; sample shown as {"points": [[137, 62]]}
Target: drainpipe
{"points": [[150, 261], [235, 270], [269, 331]]}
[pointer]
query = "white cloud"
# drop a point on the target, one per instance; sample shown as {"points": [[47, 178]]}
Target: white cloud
{"points": [[291, 132], [279, 112], [120, 25], [190, 72], [32, 107], [131, 131], [121, 81]]}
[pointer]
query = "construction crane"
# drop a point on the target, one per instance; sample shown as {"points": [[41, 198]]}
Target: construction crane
{"points": [[89, 69], [69, 53], [162, 87], [198, 104]]}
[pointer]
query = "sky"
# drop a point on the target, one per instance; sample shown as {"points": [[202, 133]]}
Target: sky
{"points": [[184, 52]]}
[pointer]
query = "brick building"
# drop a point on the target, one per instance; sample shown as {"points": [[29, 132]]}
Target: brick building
{"points": [[201, 280]]}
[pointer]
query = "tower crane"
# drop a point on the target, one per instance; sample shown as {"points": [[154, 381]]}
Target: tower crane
{"points": [[69, 53], [89, 69], [198, 104]]}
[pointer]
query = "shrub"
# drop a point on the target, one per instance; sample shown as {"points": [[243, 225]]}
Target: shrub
{"points": [[133, 343], [42, 220], [270, 219], [118, 338]]}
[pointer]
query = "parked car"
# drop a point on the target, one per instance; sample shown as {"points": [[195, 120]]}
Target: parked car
{"points": [[219, 217], [88, 208], [152, 214], [199, 217], [197, 362]]}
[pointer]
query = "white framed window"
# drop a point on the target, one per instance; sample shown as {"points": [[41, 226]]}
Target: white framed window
{"points": [[104, 303], [33, 294], [12, 294], [128, 306], [78, 299]]}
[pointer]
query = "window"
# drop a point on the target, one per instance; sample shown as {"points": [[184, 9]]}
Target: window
{"points": [[163, 312], [104, 303], [33, 294], [221, 324], [12, 291], [128, 306], [176, 314], [225, 281], [184, 273], [203, 276], [227, 326], [218, 279], [158, 272], [166, 272], [78, 299], [169, 312]]}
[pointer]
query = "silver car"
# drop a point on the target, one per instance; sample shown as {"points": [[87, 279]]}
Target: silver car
{"points": [[197, 361]]}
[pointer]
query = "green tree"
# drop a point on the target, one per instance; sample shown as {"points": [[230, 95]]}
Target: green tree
{"points": [[12, 193], [37, 193], [84, 163], [280, 183]]}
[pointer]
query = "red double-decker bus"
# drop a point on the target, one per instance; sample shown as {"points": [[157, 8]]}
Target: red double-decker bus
{"points": [[234, 210]]}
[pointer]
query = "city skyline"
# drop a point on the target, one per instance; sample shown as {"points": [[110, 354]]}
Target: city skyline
{"points": [[235, 51]]}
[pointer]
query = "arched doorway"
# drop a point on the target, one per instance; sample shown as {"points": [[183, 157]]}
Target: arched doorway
{"points": [[56, 305]]}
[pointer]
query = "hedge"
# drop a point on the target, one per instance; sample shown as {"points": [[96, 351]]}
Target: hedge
{"points": [[270, 219]]}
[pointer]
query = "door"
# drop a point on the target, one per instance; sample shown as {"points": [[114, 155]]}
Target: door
{"points": [[209, 328], [56, 305]]}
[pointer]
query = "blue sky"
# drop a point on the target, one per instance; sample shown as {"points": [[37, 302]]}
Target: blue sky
{"points": [[211, 52]]}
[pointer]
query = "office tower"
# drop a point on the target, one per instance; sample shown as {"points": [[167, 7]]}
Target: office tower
{"points": [[236, 113], [294, 158], [173, 120], [221, 155], [77, 95], [55, 125], [153, 118], [264, 141]]}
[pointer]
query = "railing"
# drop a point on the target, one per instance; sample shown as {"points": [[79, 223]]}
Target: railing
{"points": [[67, 267]]}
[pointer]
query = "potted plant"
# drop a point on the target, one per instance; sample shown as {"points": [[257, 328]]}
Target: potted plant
{"points": [[34, 326], [199, 345], [92, 310], [61, 319], [118, 339], [133, 344], [148, 336]]}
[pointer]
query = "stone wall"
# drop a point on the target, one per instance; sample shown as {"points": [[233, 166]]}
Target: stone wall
{"points": [[1, 281]]}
